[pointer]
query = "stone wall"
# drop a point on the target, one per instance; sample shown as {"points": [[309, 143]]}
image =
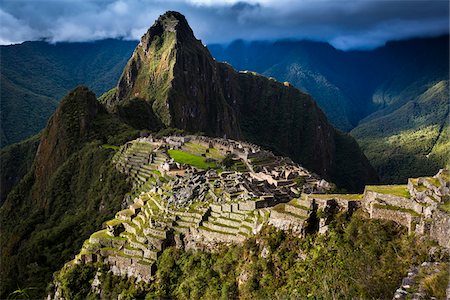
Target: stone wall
{"points": [[402, 218], [286, 222], [370, 197], [440, 228]]}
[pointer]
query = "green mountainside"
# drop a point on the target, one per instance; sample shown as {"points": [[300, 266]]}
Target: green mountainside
{"points": [[412, 140], [35, 75], [351, 87], [16, 161], [359, 90]]}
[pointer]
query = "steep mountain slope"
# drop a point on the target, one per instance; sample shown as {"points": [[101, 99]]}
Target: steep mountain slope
{"points": [[411, 140], [70, 189], [16, 160], [174, 76], [35, 75]]}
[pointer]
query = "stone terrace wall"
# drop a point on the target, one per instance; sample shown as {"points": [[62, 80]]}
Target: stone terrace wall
{"points": [[440, 228], [402, 218], [370, 196]]}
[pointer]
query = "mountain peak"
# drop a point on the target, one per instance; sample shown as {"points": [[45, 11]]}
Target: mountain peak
{"points": [[172, 80], [169, 22]]}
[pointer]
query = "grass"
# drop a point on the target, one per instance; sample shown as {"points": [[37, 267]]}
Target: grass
{"points": [[433, 181], [339, 196], [445, 207], [101, 234], [279, 207], [112, 147], [397, 208], [126, 212], [435, 284], [396, 190], [183, 157], [113, 222], [211, 230], [446, 175], [299, 206]]}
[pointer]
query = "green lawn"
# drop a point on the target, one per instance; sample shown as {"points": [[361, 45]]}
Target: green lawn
{"points": [[187, 158], [396, 190], [101, 234]]}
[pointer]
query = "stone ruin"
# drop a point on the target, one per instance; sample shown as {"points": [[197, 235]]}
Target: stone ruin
{"points": [[179, 204]]}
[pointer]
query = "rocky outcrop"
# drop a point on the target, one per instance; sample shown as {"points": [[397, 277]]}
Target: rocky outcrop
{"points": [[177, 83]]}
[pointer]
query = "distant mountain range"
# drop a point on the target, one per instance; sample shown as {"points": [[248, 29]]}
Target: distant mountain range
{"points": [[36, 75], [359, 91]]}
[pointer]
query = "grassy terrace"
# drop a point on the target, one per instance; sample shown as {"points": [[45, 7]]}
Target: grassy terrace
{"points": [[396, 190], [187, 158], [446, 175], [112, 147], [101, 234], [294, 203], [397, 208], [339, 196], [433, 181], [418, 186], [113, 222], [104, 235], [445, 207], [199, 149], [126, 212], [211, 230]]}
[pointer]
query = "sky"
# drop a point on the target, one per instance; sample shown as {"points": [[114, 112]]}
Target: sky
{"points": [[346, 24]]}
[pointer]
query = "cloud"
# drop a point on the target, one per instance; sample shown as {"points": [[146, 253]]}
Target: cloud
{"points": [[344, 23]]}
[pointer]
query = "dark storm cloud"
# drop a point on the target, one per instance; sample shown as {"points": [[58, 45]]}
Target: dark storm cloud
{"points": [[344, 23]]}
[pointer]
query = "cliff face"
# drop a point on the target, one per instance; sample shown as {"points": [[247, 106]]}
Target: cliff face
{"points": [[174, 77]]}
